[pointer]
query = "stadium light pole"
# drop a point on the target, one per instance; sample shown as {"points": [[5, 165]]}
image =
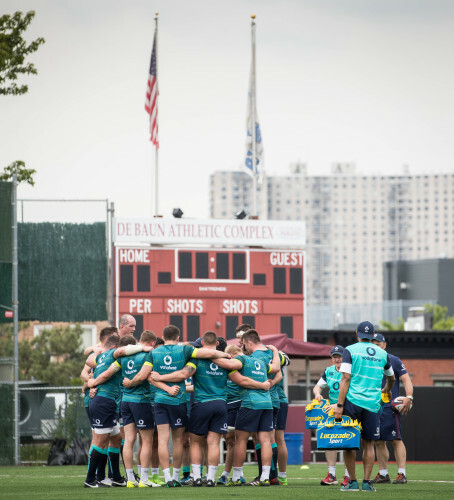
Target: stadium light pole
{"points": [[15, 304]]}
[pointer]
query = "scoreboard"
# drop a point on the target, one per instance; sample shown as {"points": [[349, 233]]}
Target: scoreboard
{"points": [[211, 286]]}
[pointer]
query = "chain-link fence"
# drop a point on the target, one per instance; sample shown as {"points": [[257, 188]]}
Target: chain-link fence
{"points": [[46, 414]]}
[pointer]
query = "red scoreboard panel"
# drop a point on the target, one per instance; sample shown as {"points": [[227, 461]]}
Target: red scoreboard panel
{"points": [[200, 289]]}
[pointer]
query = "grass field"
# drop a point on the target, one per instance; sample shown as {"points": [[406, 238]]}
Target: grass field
{"points": [[425, 481]]}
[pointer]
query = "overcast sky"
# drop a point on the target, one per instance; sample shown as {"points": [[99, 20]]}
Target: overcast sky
{"points": [[363, 81]]}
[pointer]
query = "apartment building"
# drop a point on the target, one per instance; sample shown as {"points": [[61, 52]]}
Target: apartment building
{"points": [[354, 223]]}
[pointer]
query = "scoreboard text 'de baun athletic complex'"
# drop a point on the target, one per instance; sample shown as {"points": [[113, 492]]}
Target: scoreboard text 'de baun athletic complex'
{"points": [[210, 275]]}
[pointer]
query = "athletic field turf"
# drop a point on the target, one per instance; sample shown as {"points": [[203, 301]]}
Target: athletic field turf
{"points": [[426, 481]]}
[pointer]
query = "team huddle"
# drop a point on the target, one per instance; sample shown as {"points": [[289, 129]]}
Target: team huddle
{"points": [[196, 394]]}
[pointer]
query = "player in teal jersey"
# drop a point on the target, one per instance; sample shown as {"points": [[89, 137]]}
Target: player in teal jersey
{"points": [[233, 405], [281, 425], [363, 367], [256, 411], [135, 407], [154, 453], [275, 378], [208, 417], [170, 411], [331, 378], [86, 374], [104, 405], [103, 412]]}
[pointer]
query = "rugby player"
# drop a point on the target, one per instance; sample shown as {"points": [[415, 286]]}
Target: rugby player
{"points": [[280, 425], [170, 411], [86, 374], [103, 412], [331, 378], [256, 411]]}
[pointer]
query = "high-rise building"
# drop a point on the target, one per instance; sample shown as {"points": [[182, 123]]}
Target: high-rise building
{"points": [[354, 223], [230, 192]]}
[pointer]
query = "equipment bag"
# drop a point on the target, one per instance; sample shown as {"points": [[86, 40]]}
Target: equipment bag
{"points": [[344, 434], [316, 413]]}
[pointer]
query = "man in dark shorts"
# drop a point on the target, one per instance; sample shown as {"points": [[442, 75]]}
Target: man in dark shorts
{"points": [[170, 411], [363, 367]]}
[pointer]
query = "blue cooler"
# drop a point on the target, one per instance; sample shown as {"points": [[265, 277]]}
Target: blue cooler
{"points": [[294, 442]]}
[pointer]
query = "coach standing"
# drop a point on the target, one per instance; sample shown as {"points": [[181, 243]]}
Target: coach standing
{"points": [[390, 421], [363, 366]]}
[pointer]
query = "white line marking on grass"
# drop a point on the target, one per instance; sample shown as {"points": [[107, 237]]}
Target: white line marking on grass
{"points": [[410, 480]]}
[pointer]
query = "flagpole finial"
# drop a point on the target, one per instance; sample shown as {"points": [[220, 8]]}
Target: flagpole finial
{"points": [[156, 14], [252, 16]]}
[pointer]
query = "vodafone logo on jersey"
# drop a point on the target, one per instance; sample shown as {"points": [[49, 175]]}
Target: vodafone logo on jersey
{"points": [[167, 360], [243, 306], [130, 364]]}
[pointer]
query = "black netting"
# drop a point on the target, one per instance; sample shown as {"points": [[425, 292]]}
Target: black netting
{"points": [[62, 272]]}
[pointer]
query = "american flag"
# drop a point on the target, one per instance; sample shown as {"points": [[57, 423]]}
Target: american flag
{"points": [[151, 99]]}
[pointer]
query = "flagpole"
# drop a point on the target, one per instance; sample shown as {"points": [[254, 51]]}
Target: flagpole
{"points": [[156, 156], [253, 121]]}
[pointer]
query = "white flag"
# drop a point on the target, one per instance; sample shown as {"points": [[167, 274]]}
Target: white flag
{"points": [[248, 163]]}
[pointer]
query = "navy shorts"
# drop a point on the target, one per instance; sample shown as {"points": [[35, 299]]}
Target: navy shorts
{"points": [[275, 415], [87, 411], [282, 417], [232, 412], [251, 420], [390, 424], [103, 412], [174, 415], [369, 420], [208, 416], [140, 414]]}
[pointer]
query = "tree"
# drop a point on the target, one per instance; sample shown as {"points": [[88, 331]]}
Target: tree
{"points": [[387, 325], [440, 318], [14, 50], [23, 174], [54, 356]]}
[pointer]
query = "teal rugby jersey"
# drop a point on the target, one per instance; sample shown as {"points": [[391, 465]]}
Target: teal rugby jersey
{"points": [[280, 389], [332, 379], [233, 392], [152, 392], [256, 369], [111, 388], [168, 359], [210, 381], [87, 398], [130, 366], [267, 356], [366, 363]]}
